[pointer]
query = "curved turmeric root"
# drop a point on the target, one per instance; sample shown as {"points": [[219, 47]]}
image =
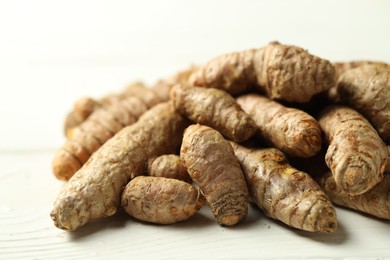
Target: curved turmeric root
{"points": [[367, 89], [86, 138], [94, 191], [375, 202], [356, 155], [285, 193], [168, 166], [84, 107], [281, 71], [214, 108], [161, 200], [291, 130], [211, 163]]}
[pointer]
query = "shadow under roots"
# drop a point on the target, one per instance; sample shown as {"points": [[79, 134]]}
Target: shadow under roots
{"points": [[336, 238], [200, 220], [117, 221], [256, 215]]}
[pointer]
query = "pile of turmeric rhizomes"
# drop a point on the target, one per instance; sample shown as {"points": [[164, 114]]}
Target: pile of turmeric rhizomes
{"points": [[224, 134]]}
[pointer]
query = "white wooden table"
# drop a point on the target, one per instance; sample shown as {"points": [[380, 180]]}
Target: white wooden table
{"points": [[52, 53]]}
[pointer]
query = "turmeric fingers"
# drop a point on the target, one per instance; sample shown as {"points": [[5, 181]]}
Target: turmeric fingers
{"points": [[212, 165], [356, 155], [280, 71], [115, 139], [214, 108], [367, 89], [285, 193], [291, 130], [86, 138], [375, 202], [94, 191], [84, 107], [161, 200]]}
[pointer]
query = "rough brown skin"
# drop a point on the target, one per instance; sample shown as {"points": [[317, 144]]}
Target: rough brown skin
{"points": [[285, 193], [281, 71], [214, 108], [161, 200], [86, 138], [367, 89], [356, 155], [375, 202], [342, 67], [168, 166], [212, 165], [84, 107], [94, 191], [147, 95], [291, 130]]}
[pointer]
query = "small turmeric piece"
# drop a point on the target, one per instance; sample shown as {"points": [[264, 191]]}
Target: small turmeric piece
{"points": [[161, 200], [375, 202], [212, 165], [289, 129], [367, 89], [356, 154], [280, 71], [94, 191], [168, 166], [214, 108], [285, 193]]}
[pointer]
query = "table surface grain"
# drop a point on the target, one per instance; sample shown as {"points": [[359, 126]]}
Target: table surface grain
{"points": [[52, 53], [28, 189]]}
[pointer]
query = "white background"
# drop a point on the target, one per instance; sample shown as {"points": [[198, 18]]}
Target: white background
{"points": [[53, 52]]}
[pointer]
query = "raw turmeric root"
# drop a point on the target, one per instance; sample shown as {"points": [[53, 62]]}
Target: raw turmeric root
{"points": [[375, 202], [86, 138], [367, 89], [168, 166], [356, 155], [342, 67], [94, 191], [291, 130], [214, 108], [212, 165], [84, 107], [161, 200], [280, 71], [285, 193]]}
